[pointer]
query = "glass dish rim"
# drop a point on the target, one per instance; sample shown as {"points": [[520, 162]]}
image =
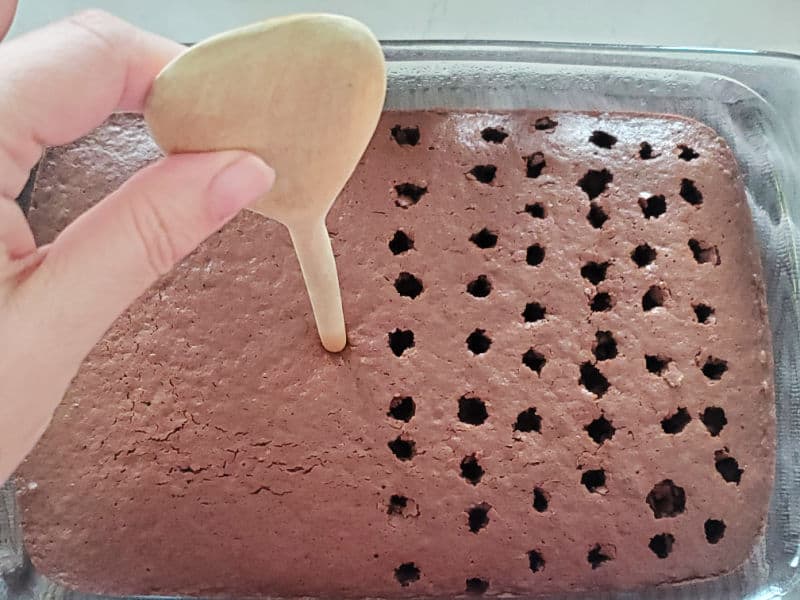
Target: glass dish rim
{"points": [[586, 46]]}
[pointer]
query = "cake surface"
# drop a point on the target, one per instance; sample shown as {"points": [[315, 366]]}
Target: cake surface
{"points": [[558, 378]]}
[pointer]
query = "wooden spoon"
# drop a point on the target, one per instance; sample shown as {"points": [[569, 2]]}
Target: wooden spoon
{"points": [[304, 92]]}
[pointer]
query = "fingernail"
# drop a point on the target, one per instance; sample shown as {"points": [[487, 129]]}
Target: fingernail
{"points": [[239, 184]]}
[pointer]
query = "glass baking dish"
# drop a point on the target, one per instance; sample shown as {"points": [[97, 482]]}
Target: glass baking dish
{"points": [[750, 99]]}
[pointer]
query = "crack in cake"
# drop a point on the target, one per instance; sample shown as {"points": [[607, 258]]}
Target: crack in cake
{"points": [[559, 377]]}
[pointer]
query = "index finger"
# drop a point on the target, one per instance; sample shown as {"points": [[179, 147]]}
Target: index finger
{"points": [[62, 81]]}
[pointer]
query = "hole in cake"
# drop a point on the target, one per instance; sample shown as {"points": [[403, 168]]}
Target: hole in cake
{"points": [[666, 499], [479, 287], [397, 504], [478, 342], [602, 139], [534, 164], [600, 430], [656, 364], [593, 380], [402, 506], [535, 561], [528, 421], [601, 302], [661, 544], [400, 242], [472, 411], [407, 573], [534, 255], [728, 467], [715, 530], [401, 340], [687, 153], [677, 422], [484, 173], [713, 417], [533, 312], [594, 272], [405, 136], [471, 469], [478, 516], [534, 360], [536, 210], [690, 193], [599, 554], [541, 500], [475, 586], [596, 215], [643, 255], [605, 346], [715, 368], [494, 135], [653, 206], [703, 312], [484, 239], [594, 480], [402, 408], [543, 123], [408, 194], [646, 151], [595, 182], [408, 285], [655, 297], [403, 449], [704, 253]]}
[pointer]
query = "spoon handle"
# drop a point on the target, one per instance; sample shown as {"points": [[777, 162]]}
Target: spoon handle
{"points": [[313, 247]]}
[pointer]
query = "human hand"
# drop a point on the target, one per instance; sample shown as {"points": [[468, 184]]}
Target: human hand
{"points": [[56, 302]]}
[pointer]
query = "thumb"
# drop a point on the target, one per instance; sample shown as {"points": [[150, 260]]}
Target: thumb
{"points": [[113, 252]]}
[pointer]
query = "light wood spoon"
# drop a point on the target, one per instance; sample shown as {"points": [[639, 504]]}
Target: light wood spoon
{"points": [[304, 92]]}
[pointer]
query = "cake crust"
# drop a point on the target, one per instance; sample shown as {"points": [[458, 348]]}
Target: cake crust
{"points": [[589, 383]]}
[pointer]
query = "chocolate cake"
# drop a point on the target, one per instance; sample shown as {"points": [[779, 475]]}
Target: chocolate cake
{"points": [[558, 378]]}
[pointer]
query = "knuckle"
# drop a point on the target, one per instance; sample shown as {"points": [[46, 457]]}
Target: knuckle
{"points": [[105, 28], [154, 236], [94, 18]]}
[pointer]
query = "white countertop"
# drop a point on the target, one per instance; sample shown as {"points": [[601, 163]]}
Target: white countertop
{"points": [[740, 24]]}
